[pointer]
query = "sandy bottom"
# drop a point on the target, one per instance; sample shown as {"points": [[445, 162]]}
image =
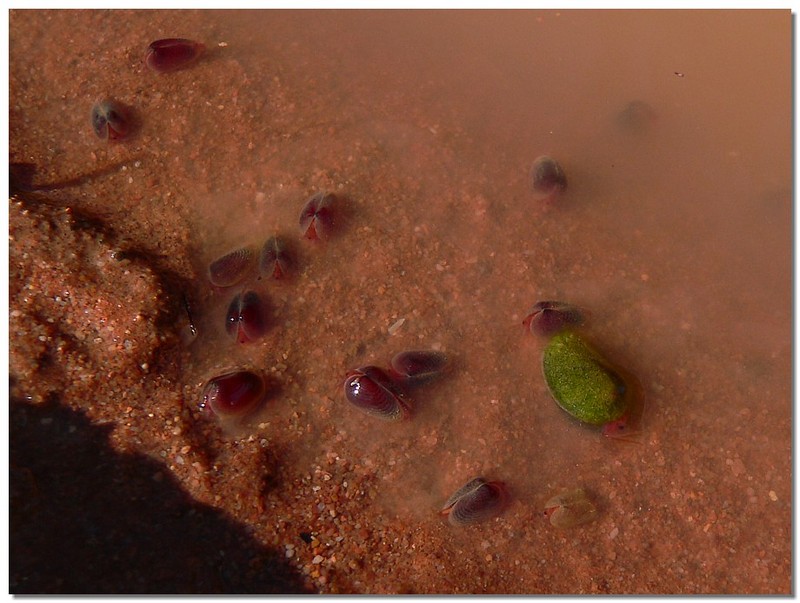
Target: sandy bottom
{"points": [[676, 239]]}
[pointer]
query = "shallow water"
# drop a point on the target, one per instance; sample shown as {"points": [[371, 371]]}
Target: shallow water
{"points": [[676, 239]]}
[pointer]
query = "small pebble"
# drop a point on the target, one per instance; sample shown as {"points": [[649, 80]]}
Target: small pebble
{"points": [[317, 560]]}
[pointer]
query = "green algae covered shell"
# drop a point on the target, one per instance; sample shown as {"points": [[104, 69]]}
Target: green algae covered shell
{"points": [[581, 381]]}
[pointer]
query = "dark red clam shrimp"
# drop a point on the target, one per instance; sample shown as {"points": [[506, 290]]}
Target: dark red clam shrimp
{"points": [[231, 268], [317, 218], [246, 320], [415, 367], [476, 501], [372, 391], [274, 260], [111, 120], [234, 394], [171, 54], [547, 318], [548, 180]]}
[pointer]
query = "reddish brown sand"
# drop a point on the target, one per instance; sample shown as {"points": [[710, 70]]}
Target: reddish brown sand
{"points": [[677, 239]]}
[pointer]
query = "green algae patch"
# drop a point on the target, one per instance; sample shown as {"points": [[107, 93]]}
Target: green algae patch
{"points": [[581, 381]]}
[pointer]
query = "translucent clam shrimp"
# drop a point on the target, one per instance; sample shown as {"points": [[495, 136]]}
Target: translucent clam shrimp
{"points": [[111, 120], [569, 509]]}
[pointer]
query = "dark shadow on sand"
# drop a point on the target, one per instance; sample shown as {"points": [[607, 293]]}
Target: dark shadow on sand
{"points": [[87, 520]]}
